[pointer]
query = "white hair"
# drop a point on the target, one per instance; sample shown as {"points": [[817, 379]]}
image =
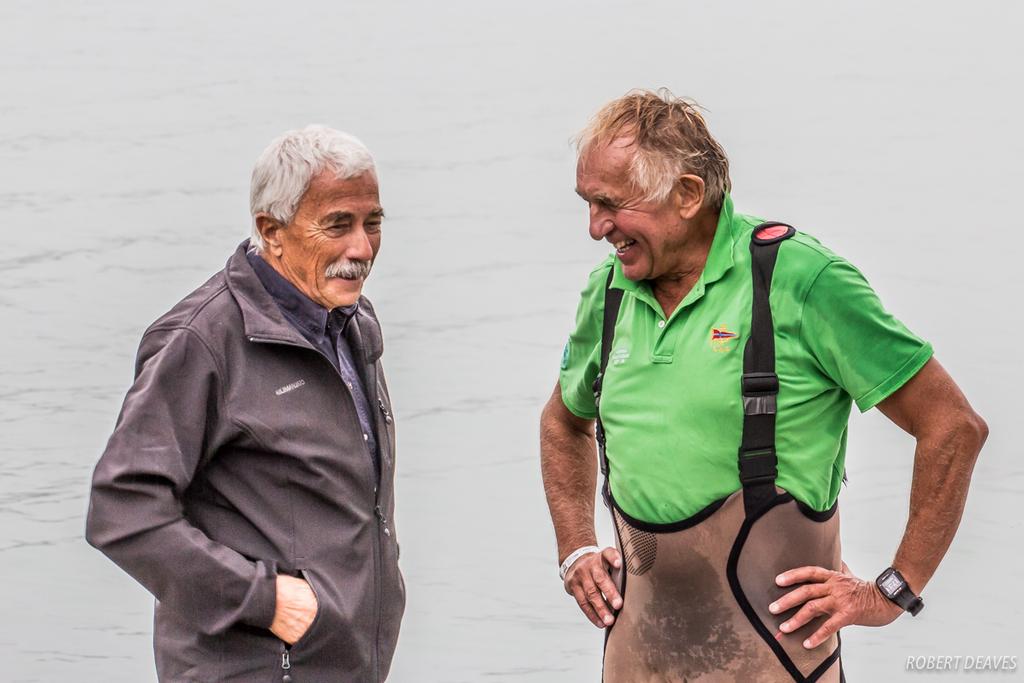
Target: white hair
{"points": [[283, 171]]}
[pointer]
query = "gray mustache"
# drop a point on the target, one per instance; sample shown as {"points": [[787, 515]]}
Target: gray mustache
{"points": [[349, 270]]}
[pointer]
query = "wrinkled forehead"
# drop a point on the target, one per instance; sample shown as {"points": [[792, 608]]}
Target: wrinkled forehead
{"points": [[327, 194], [605, 169], [327, 181], [614, 157]]}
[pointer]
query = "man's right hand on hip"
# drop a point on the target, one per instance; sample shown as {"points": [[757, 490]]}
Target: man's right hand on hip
{"points": [[295, 609], [589, 582]]}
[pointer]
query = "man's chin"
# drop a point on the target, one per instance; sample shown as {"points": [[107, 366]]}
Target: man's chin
{"points": [[341, 292], [635, 264], [634, 271]]}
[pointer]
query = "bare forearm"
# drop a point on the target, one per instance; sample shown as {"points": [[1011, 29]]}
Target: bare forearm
{"points": [[569, 468], [931, 407], [943, 464]]}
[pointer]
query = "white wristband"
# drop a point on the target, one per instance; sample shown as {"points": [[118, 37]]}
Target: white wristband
{"points": [[573, 556]]}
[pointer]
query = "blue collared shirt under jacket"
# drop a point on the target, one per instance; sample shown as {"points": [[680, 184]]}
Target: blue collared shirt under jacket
{"points": [[325, 330]]}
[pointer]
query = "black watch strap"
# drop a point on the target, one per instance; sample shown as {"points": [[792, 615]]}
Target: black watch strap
{"points": [[909, 602], [894, 587]]}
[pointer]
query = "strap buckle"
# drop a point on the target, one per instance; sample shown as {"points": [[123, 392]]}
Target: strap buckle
{"points": [[758, 466], [760, 383], [759, 393]]}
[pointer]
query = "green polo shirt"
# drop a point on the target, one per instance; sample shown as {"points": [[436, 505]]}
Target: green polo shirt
{"points": [[671, 403]]}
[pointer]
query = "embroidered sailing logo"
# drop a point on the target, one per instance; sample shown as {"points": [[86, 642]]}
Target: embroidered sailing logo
{"points": [[722, 340]]}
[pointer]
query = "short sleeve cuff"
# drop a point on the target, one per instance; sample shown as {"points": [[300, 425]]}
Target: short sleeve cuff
{"points": [[580, 408], [896, 380]]}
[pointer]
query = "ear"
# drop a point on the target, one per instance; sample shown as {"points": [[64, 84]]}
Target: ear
{"points": [[691, 195], [270, 230]]}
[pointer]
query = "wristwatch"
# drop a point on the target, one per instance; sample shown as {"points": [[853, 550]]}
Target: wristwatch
{"points": [[894, 587]]}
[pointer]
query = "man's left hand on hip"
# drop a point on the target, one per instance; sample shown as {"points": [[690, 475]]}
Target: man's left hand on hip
{"points": [[841, 596]]}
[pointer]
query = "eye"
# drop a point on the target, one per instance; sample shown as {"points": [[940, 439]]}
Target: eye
{"points": [[373, 226], [338, 228]]}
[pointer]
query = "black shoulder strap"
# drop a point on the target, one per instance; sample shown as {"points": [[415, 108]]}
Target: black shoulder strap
{"points": [[612, 304], [760, 384]]}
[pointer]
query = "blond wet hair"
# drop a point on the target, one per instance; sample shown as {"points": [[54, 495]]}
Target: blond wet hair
{"points": [[671, 139]]}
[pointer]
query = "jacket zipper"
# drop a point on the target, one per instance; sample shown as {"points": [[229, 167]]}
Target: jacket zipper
{"points": [[383, 523], [286, 666], [387, 415], [378, 472], [387, 420], [383, 520], [377, 589]]}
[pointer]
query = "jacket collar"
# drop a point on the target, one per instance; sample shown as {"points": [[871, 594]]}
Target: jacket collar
{"points": [[262, 317], [367, 331], [297, 308]]}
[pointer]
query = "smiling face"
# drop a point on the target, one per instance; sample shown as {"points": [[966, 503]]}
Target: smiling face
{"points": [[650, 238], [328, 247]]}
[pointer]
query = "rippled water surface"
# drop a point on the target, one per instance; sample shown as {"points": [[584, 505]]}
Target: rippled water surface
{"points": [[127, 131]]}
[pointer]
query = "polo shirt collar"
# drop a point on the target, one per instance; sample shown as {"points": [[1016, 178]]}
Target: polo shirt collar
{"points": [[720, 258]]}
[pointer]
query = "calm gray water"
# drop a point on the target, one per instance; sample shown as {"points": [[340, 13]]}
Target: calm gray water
{"points": [[127, 132]]}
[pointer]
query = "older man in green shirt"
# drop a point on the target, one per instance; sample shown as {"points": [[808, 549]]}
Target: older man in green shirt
{"points": [[720, 357]]}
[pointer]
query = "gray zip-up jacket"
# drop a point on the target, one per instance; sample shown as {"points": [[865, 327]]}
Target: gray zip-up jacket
{"points": [[238, 455]]}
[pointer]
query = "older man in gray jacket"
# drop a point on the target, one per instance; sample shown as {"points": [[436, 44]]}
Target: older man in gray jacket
{"points": [[248, 483]]}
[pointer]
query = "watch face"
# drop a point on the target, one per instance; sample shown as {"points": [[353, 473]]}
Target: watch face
{"points": [[891, 585]]}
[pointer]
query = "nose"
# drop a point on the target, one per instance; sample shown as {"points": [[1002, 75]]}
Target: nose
{"points": [[600, 223], [360, 249]]}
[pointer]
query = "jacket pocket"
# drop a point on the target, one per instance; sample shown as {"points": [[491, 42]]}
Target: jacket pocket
{"points": [[317, 618], [339, 643], [241, 654]]}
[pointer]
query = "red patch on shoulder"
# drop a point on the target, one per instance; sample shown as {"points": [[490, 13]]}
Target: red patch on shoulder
{"points": [[771, 232]]}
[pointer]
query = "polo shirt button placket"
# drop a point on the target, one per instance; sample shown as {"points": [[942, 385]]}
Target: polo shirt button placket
{"points": [[660, 354]]}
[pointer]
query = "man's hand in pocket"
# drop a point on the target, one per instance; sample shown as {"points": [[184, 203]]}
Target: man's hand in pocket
{"points": [[295, 609]]}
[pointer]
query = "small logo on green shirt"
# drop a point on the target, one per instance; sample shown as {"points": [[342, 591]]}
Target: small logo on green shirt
{"points": [[722, 339], [619, 356]]}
